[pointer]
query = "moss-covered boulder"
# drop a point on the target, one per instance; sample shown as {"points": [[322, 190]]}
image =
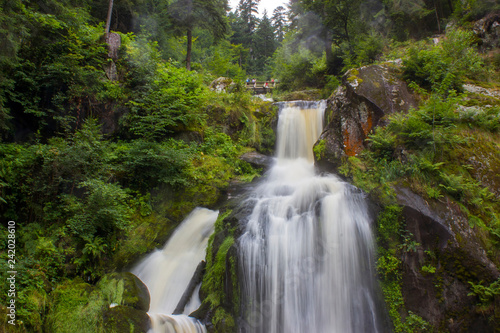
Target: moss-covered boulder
{"points": [[221, 84], [118, 303], [120, 319], [220, 290], [367, 95], [124, 289], [302, 95]]}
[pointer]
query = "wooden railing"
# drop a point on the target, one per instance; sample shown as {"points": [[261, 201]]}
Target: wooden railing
{"points": [[260, 87]]}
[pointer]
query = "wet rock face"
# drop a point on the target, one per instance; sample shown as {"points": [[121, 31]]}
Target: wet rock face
{"points": [[368, 95], [442, 298], [221, 84], [488, 30]]}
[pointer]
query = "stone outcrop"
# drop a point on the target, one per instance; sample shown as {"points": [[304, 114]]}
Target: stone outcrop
{"points": [[440, 235], [488, 31], [221, 84], [365, 99], [442, 298], [257, 160]]}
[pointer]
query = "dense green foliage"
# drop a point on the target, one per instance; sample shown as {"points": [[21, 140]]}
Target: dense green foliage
{"points": [[101, 157], [437, 150], [97, 172]]}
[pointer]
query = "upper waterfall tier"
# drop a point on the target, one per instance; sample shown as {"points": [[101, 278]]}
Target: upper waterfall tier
{"points": [[298, 128]]}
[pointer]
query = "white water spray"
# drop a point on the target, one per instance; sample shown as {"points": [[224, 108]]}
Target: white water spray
{"points": [[167, 273], [306, 253]]}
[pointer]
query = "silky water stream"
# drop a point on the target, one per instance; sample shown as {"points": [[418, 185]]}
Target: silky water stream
{"points": [[167, 273], [306, 253]]}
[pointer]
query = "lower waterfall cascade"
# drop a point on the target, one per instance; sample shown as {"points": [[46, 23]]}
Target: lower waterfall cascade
{"points": [[306, 252], [167, 273]]}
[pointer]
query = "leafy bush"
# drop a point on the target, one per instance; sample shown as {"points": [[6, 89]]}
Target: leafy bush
{"points": [[365, 50], [165, 98], [299, 69], [486, 294], [144, 165], [487, 118], [442, 67], [58, 78], [102, 211]]}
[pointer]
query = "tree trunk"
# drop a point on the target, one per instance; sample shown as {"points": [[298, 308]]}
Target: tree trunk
{"points": [[188, 52], [108, 20], [437, 17], [450, 4]]}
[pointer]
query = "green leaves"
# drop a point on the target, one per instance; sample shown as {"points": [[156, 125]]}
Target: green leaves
{"points": [[165, 99], [442, 67], [103, 210], [486, 293], [144, 165]]}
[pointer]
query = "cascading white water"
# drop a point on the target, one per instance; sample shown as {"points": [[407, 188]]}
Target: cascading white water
{"points": [[167, 273], [306, 252]]}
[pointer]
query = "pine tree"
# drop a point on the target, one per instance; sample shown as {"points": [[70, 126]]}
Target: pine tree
{"points": [[279, 22], [248, 10], [264, 43], [207, 14]]}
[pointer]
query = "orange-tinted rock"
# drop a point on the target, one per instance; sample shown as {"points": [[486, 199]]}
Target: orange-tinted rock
{"points": [[367, 96]]}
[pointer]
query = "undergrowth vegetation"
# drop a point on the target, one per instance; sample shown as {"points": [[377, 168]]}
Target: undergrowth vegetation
{"points": [[87, 200], [446, 150]]}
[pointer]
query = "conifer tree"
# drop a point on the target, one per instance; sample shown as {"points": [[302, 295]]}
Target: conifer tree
{"points": [[279, 22], [264, 43], [208, 14]]}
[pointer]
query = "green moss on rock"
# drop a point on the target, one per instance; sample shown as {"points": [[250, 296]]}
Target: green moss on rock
{"points": [[117, 304], [123, 319], [124, 289]]}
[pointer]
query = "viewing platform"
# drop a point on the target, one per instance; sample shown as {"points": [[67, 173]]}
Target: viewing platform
{"points": [[258, 88]]}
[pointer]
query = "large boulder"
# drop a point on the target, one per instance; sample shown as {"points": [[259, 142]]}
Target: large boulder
{"points": [[488, 31], [124, 289], [442, 297], [221, 84], [365, 99]]}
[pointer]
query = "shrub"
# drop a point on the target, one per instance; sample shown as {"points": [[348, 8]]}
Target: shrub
{"points": [[442, 67], [102, 211]]}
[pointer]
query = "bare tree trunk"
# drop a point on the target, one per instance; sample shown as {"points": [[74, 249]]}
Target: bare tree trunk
{"points": [[437, 17], [188, 52], [450, 4], [108, 20]]}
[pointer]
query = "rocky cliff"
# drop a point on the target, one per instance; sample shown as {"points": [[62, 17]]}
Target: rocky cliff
{"points": [[367, 95], [441, 255]]}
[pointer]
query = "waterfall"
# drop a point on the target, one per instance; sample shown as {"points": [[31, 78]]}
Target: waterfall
{"points": [[306, 252], [167, 273]]}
